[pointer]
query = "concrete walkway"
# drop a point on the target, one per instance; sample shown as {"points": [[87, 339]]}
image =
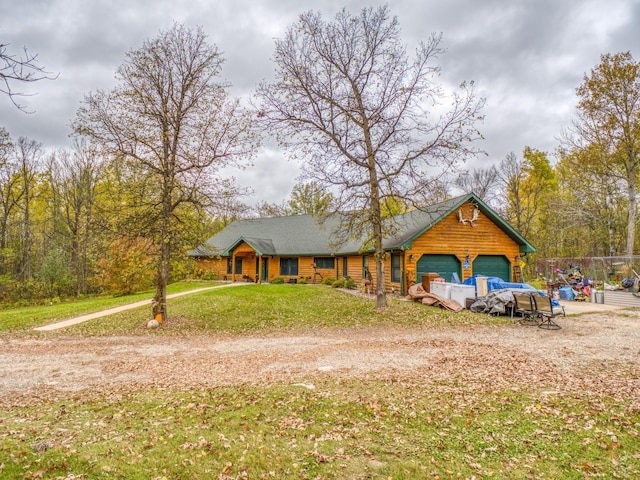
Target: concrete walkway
{"points": [[576, 308], [122, 308]]}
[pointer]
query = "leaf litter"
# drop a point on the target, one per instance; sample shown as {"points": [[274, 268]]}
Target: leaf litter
{"points": [[598, 353]]}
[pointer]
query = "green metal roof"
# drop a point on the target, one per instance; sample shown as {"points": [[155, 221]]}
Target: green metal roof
{"points": [[303, 235]]}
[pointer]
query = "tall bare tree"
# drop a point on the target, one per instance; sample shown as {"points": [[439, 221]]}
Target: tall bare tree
{"points": [[366, 119], [171, 124], [512, 173]]}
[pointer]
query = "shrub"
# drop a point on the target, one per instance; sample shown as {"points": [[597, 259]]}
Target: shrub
{"points": [[128, 267], [23, 293], [201, 274], [340, 283], [302, 281], [209, 276], [277, 281], [350, 283], [328, 281]]}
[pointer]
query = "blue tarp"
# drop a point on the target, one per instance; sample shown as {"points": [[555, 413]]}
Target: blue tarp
{"points": [[496, 283], [566, 293]]}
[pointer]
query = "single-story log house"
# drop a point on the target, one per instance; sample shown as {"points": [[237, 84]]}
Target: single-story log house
{"points": [[461, 236]]}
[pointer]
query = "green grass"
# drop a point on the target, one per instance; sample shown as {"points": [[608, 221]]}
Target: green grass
{"points": [[320, 429], [335, 430], [269, 309], [28, 317]]}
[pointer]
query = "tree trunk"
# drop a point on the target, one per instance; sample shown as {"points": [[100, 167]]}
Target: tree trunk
{"points": [[26, 271], [381, 298], [4, 264], [376, 220], [75, 247], [159, 303], [631, 220]]}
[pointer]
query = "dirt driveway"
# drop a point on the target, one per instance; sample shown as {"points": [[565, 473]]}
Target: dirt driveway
{"points": [[592, 351]]}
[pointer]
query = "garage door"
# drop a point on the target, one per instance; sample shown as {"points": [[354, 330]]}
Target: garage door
{"points": [[492, 266], [443, 265]]}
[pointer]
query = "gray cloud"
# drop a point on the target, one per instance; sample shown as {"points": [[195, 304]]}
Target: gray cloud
{"points": [[526, 58]]}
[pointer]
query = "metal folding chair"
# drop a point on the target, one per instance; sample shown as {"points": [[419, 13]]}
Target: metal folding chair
{"points": [[524, 307], [544, 311]]}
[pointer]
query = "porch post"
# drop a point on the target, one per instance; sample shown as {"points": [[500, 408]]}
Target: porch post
{"points": [[403, 276], [260, 269], [233, 267]]}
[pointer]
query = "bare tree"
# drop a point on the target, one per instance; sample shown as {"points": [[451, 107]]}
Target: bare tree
{"points": [[511, 176], [74, 177], [228, 209], [24, 69], [529, 184], [172, 125], [481, 181], [366, 120], [29, 156]]}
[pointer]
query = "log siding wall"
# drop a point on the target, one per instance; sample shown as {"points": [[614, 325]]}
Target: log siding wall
{"points": [[450, 236]]}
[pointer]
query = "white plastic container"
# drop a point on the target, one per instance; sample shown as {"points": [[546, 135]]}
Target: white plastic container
{"points": [[460, 293], [441, 289]]}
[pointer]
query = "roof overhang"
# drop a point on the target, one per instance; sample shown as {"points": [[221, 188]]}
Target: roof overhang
{"points": [[262, 246]]}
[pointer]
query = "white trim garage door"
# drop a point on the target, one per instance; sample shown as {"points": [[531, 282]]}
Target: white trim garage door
{"points": [[492, 266], [443, 265]]}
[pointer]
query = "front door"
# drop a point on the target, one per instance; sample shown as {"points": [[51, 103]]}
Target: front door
{"points": [[345, 269], [265, 268]]}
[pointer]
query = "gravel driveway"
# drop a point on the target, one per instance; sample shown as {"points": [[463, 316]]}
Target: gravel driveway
{"points": [[592, 351]]}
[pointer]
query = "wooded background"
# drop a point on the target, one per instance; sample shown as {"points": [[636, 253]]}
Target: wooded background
{"points": [[85, 220]]}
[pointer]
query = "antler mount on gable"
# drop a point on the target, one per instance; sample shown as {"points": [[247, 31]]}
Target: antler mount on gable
{"points": [[474, 216]]}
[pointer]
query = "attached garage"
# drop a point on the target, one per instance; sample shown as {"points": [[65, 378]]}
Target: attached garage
{"points": [[443, 265], [461, 236], [492, 266]]}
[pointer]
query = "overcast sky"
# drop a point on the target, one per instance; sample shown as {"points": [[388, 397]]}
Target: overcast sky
{"points": [[526, 58]]}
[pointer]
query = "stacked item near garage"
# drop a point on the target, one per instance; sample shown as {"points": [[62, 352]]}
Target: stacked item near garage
{"points": [[453, 291], [499, 298], [419, 294]]}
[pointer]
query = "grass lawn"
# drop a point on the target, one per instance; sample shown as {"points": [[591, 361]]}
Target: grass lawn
{"points": [[351, 429], [28, 317], [267, 309], [320, 428], [239, 310]]}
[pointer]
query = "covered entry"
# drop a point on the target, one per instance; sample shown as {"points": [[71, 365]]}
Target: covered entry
{"points": [[443, 265], [492, 266]]}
